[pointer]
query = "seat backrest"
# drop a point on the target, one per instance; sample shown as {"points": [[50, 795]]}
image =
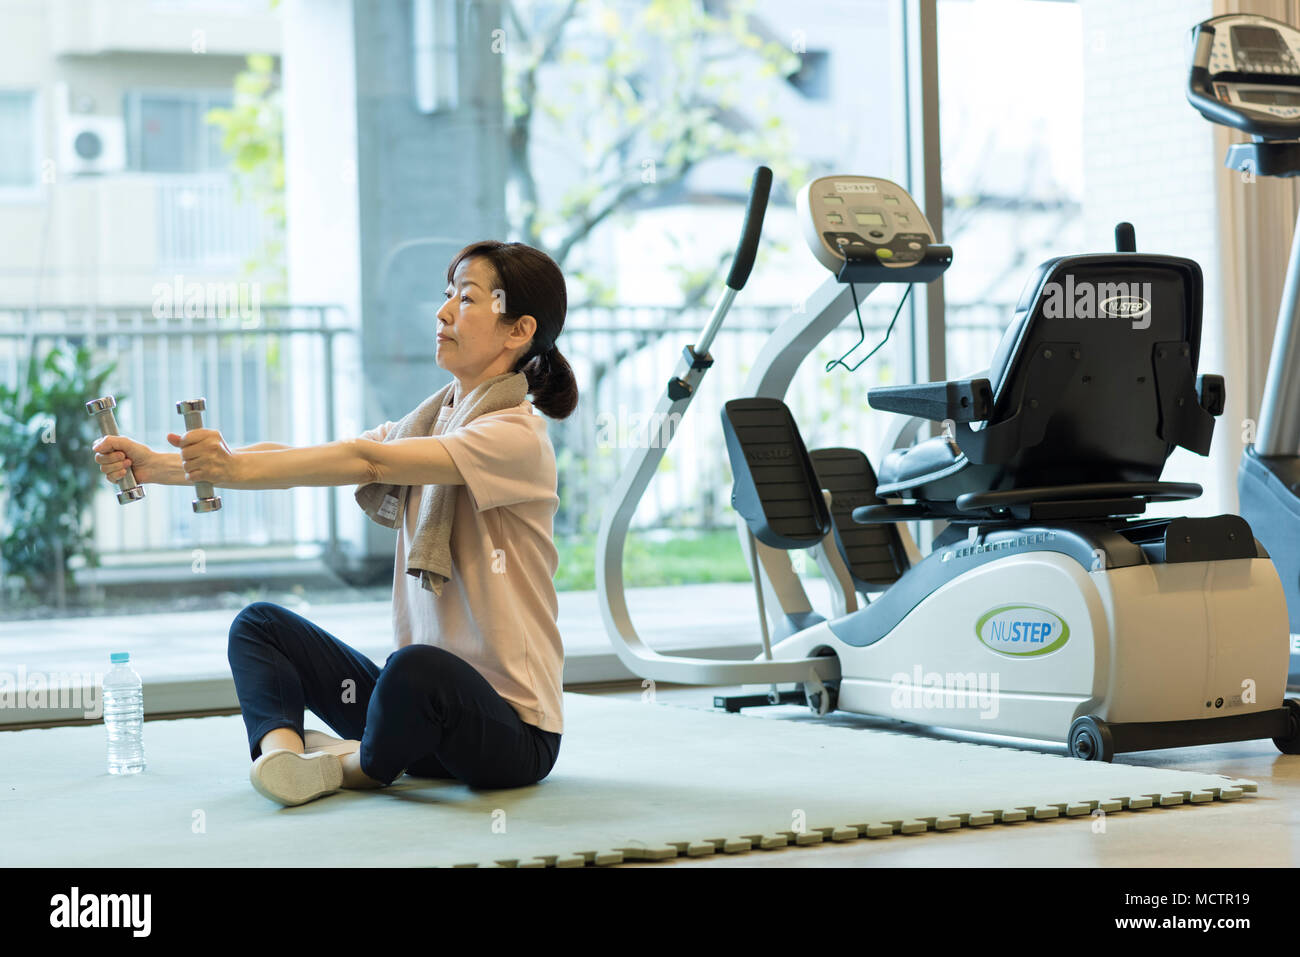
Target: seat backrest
{"points": [[1099, 348]]}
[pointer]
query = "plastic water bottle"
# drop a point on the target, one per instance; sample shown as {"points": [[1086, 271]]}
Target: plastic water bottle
{"points": [[124, 716]]}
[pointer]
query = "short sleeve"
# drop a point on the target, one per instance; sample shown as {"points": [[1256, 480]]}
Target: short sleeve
{"points": [[505, 459]]}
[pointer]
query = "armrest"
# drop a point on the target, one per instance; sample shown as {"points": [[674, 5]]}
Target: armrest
{"points": [[962, 400], [1211, 393]]}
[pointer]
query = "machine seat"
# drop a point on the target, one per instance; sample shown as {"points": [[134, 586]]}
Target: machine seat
{"points": [[927, 461], [1074, 395]]}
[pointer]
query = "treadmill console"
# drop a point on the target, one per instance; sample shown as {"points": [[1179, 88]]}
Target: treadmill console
{"points": [[1245, 73]]}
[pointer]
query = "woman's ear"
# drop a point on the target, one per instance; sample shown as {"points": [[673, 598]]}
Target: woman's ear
{"points": [[524, 328]]}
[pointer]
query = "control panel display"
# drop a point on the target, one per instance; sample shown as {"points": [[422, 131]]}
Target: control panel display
{"points": [[1253, 67], [1261, 49], [1269, 97], [862, 218]]}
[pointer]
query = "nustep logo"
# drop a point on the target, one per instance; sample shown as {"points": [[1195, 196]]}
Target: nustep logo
{"points": [[1098, 300], [1124, 307], [1022, 631]]}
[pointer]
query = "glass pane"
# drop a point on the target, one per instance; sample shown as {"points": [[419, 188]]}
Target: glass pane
{"points": [[168, 134], [17, 159], [1010, 114], [627, 156], [667, 120], [214, 155]]}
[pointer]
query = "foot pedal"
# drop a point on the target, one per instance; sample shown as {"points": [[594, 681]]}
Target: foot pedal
{"points": [[774, 484], [874, 554], [733, 703]]}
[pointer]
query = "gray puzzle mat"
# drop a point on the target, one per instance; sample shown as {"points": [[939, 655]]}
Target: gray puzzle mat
{"points": [[633, 781]]}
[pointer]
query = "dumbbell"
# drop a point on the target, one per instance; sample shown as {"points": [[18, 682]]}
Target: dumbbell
{"points": [[192, 410], [101, 410]]}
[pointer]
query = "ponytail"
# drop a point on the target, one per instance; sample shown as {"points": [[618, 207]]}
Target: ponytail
{"points": [[551, 383]]}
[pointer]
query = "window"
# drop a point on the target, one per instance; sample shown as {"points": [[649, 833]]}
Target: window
{"points": [[1010, 119], [18, 140], [813, 76], [166, 132]]}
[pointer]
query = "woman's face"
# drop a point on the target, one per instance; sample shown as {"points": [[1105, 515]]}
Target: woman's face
{"points": [[473, 343]]}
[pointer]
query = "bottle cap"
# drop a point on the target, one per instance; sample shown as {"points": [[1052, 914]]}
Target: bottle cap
{"points": [[119, 657]]}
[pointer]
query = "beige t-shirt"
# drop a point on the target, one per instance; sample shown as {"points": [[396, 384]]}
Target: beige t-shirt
{"points": [[498, 611]]}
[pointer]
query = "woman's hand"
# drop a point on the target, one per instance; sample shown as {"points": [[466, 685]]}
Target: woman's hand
{"points": [[116, 453], [205, 457]]}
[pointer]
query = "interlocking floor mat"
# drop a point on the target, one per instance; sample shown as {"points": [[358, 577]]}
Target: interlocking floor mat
{"points": [[634, 781]]}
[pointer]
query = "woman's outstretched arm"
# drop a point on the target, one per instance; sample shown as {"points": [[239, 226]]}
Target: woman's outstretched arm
{"points": [[205, 457], [359, 461], [334, 463]]}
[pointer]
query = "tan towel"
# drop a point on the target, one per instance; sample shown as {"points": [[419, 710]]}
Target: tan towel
{"points": [[429, 555]]}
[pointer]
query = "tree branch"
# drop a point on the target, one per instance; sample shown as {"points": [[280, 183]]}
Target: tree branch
{"points": [[629, 190], [519, 25], [520, 133]]}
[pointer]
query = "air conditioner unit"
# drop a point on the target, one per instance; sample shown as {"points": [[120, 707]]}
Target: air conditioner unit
{"points": [[91, 144]]}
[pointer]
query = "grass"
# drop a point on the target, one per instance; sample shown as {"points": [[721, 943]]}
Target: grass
{"points": [[676, 557], [653, 558]]}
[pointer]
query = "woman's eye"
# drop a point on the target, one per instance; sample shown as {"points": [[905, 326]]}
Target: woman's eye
{"points": [[465, 299]]}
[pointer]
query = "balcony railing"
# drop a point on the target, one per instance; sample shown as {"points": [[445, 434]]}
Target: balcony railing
{"points": [[202, 222], [623, 357], [272, 379], [288, 379]]}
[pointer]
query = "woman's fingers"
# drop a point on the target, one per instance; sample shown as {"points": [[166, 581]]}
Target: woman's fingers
{"points": [[114, 465]]}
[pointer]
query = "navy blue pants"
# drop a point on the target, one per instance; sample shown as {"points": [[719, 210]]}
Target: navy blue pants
{"points": [[426, 712]]}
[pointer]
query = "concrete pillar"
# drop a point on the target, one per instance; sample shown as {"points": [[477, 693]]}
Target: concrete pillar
{"points": [[380, 195]]}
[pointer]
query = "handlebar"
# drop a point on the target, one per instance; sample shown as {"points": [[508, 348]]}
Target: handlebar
{"points": [[1203, 35], [752, 230]]}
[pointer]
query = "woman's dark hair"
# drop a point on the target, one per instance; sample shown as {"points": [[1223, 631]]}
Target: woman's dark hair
{"points": [[532, 285]]}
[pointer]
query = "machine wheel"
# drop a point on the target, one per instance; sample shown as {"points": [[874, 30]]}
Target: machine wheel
{"points": [[819, 702], [1090, 740], [1290, 743]]}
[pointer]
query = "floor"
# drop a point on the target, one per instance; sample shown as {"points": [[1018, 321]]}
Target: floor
{"points": [[185, 656], [1258, 831]]}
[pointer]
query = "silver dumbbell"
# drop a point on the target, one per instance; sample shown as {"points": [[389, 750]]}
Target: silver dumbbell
{"points": [[101, 410], [192, 410]]}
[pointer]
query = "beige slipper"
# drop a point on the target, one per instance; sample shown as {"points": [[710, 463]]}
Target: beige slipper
{"points": [[319, 741], [289, 778]]}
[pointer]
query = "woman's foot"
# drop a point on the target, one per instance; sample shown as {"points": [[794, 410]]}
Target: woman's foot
{"points": [[290, 778], [353, 776], [320, 741]]}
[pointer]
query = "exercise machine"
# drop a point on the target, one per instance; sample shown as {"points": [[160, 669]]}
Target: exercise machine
{"points": [[1245, 74], [1047, 608]]}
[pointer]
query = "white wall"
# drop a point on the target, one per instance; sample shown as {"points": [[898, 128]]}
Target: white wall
{"points": [[1150, 159]]}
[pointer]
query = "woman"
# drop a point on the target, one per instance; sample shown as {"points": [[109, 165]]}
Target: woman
{"points": [[468, 479]]}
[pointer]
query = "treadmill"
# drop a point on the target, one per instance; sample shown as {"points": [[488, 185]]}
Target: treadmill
{"points": [[1245, 73]]}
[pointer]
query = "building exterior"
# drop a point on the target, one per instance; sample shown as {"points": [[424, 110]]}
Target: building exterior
{"points": [[110, 180]]}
